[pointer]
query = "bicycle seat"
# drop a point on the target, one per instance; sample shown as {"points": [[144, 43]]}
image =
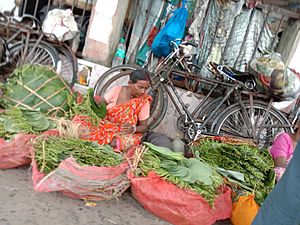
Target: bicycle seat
{"points": [[229, 71]]}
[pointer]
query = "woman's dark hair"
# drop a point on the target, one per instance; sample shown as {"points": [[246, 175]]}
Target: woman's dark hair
{"points": [[139, 74]]}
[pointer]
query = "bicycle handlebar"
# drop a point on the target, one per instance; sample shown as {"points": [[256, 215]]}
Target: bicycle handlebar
{"points": [[178, 42]]}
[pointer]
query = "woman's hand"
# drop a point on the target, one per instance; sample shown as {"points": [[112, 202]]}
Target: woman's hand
{"points": [[128, 128]]}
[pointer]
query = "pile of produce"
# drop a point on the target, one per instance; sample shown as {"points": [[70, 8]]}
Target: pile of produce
{"points": [[50, 151], [256, 165], [16, 120], [86, 106], [34, 86], [192, 173]]}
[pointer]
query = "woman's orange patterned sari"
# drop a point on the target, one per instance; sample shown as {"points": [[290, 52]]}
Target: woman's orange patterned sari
{"points": [[110, 126]]}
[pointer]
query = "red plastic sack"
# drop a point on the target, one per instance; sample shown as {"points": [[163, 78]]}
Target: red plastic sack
{"points": [[85, 182], [16, 152], [178, 206]]}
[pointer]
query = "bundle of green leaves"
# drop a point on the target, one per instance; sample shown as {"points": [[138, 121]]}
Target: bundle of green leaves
{"points": [[50, 151], [36, 86], [256, 165], [192, 173], [86, 106], [16, 120]]}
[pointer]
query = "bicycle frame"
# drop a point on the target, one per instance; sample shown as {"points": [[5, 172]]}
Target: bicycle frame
{"points": [[233, 90], [189, 117]]}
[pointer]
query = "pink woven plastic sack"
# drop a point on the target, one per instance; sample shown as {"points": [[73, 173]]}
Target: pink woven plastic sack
{"points": [[85, 182], [16, 152], [178, 206]]}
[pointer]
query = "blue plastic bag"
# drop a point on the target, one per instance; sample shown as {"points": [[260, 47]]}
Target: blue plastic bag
{"points": [[174, 29]]}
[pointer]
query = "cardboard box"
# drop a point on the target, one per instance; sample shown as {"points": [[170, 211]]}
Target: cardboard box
{"points": [[92, 71]]}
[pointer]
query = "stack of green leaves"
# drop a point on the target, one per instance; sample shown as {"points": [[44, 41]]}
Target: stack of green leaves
{"points": [[50, 151], [36, 86], [256, 165], [87, 107], [16, 120], [186, 173]]}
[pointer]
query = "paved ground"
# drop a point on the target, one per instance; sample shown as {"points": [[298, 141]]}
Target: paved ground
{"points": [[20, 205]]}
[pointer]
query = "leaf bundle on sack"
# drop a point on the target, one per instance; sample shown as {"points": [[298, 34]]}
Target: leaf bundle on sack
{"points": [[256, 165], [78, 168], [37, 87], [191, 173], [49, 151], [176, 189]]}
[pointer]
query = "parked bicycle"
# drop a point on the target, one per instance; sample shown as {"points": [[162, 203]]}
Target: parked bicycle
{"points": [[24, 42], [239, 110]]}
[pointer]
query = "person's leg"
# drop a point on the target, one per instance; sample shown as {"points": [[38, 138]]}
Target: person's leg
{"points": [[158, 139]]}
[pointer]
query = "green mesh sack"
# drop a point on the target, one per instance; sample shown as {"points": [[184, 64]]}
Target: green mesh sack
{"points": [[37, 87]]}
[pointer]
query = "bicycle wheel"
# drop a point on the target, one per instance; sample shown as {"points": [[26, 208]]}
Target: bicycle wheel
{"points": [[43, 54], [119, 76], [209, 107], [67, 66], [252, 122]]}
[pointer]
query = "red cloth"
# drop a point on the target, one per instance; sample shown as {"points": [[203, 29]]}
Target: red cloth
{"points": [[252, 3], [152, 35]]}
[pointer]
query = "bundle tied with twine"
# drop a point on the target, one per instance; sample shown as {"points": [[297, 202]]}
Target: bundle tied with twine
{"points": [[34, 86], [69, 129]]}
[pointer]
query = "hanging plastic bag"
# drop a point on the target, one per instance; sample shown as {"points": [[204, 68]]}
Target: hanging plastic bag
{"points": [[174, 29], [244, 210], [60, 24]]}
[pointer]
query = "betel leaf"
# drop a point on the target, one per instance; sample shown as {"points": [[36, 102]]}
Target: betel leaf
{"points": [[37, 86], [233, 174], [100, 110], [164, 152], [200, 171], [10, 126]]}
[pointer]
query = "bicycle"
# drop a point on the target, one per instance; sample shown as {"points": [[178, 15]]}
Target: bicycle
{"points": [[250, 113], [25, 43]]}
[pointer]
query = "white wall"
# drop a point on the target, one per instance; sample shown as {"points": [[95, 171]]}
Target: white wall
{"points": [[295, 60], [6, 5]]}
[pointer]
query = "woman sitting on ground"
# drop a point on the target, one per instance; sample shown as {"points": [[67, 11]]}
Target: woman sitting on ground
{"points": [[128, 110], [282, 150]]}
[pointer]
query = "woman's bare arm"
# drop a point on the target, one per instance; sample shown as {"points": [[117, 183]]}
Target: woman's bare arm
{"points": [[280, 161], [99, 100], [142, 126]]}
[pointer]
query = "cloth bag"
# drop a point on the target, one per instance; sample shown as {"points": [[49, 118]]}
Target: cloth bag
{"points": [[274, 77], [61, 24]]}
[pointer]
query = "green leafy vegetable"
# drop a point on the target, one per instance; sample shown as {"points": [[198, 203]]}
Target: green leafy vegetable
{"points": [[50, 151], [186, 173], [256, 165]]}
